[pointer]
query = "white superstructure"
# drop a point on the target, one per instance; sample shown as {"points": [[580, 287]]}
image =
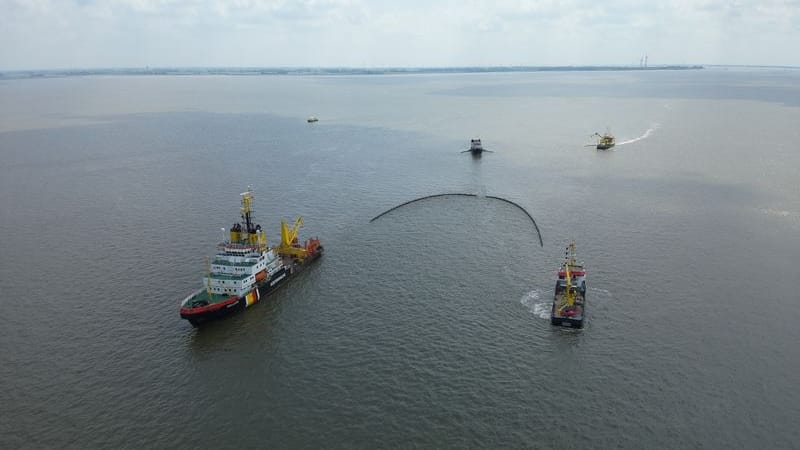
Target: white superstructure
{"points": [[236, 268]]}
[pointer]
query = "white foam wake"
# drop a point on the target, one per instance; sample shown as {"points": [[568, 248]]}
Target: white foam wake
{"points": [[774, 212], [533, 302], [595, 290], [644, 136]]}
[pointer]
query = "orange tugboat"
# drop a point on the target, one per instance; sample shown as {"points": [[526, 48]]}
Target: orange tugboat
{"points": [[569, 301], [244, 270]]}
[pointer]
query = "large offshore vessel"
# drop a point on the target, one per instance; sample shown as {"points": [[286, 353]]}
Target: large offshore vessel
{"points": [[245, 270], [569, 301]]}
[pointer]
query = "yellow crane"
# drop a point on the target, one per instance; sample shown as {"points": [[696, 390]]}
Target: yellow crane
{"points": [[569, 295], [289, 245]]}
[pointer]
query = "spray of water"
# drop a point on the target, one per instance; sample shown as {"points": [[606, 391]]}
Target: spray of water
{"points": [[532, 300]]}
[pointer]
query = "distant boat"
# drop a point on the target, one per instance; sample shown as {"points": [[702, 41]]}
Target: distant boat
{"points": [[312, 119], [476, 147], [605, 141]]}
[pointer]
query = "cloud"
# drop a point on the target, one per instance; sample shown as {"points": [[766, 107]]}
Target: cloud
{"points": [[92, 33]]}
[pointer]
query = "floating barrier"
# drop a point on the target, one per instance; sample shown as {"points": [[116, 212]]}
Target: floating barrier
{"points": [[538, 232]]}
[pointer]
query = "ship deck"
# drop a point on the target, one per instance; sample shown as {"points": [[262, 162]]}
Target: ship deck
{"points": [[560, 300], [203, 295]]}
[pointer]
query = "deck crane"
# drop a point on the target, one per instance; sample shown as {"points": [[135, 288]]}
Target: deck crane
{"points": [[569, 295], [289, 246], [289, 235]]}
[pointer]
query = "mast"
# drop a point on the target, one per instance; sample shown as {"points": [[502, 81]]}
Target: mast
{"points": [[569, 254], [253, 233], [247, 198]]}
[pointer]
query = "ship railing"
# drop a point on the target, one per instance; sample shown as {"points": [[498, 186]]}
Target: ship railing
{"points": [[238, 248], [191, 296]]}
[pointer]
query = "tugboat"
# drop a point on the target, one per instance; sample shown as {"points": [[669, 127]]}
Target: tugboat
{"points": [[569, 301], [244, 270], [605, 141]]}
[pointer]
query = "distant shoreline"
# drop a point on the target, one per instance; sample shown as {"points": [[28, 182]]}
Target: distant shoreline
{"points": [[255, 71]]}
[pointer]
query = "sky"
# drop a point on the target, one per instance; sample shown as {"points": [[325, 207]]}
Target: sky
{"points": [[74, 34]]}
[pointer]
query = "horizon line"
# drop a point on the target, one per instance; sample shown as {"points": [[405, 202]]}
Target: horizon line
{"points": [[329, 70], [352, 70]]}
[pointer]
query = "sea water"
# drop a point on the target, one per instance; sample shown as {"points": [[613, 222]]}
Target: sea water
{"points": [[424, 327]]}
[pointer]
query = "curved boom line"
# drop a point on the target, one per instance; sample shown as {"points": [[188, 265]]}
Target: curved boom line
{"points": [[538, 232], [416, 200]]}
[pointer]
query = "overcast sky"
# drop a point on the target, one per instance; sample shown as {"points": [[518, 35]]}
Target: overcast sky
{"points": [[38, 34]]}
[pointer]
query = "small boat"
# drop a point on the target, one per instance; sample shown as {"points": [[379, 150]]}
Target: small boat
{"points": [[569, 301], [476, 147], [312, 119], [605, 141]]}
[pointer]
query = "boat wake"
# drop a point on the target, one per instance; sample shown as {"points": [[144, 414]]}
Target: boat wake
{"points": [[643, 136], [603, 292], [532, 300], [780, 213], [599, 296]]}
